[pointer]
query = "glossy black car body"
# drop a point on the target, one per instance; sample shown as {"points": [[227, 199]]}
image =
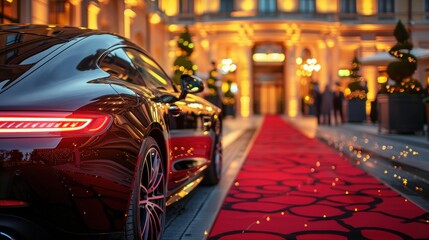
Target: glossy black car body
{"points": [[95, 139]]}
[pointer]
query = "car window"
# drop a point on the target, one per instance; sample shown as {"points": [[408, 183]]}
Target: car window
{"points": [[119, 65], [20, 51], [153, 75]]}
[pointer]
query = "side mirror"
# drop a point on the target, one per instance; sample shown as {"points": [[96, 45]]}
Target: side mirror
{"points": [[190, 84]]}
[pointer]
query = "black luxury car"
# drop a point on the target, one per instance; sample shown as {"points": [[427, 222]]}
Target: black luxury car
{"points": [[95, 138]]}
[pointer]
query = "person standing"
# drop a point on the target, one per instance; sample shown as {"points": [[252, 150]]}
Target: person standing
{"points": [[317, 96], [338, 105], [327, 102]]}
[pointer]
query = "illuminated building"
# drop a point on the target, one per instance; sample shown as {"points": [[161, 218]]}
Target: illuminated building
{"points": [[264, 38]]}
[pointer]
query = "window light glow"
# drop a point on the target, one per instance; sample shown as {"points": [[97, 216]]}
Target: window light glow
{"points": [[93, 11], [268, 57]]}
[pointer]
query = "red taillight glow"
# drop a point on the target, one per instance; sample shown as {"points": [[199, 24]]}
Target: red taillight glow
{"points": [[44, 123], [12, 203]]}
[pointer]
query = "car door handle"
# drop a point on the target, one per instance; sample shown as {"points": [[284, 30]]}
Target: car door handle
{"points": [[175, 110]]}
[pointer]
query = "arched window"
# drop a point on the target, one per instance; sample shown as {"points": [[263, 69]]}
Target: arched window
{"points": [[186, 6], [61, 12], [348, 6], [226, 6], [267, 6], [307, 6], [386, 6]]}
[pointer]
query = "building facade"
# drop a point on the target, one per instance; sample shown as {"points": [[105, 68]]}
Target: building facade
{"points": [[280, 47]]}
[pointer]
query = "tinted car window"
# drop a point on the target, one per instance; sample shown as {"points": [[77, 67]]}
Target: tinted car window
{"points": [[118, 64], [153, 75], [19, 52]]}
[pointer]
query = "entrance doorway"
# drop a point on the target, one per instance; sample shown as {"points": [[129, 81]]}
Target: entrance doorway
{"points": [[268, 80], [268, 89]]}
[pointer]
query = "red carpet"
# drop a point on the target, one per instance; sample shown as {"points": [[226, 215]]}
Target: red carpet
{"points": [[294, 187]]}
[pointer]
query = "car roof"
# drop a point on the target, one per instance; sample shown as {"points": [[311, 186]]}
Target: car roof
{"points": [[65, 33]]}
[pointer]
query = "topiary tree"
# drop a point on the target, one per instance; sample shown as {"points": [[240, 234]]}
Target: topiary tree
{"points": [[213, 86], [183, 63], [357, 87], [401, 71]]}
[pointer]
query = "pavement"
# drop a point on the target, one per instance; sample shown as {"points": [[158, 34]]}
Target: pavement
{"points": [[406, 149]]}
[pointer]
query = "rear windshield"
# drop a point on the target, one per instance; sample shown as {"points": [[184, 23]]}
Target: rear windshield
{"points": [[19, 52]]}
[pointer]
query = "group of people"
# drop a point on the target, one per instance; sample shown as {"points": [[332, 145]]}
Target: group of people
{"points": [[327, 102]]}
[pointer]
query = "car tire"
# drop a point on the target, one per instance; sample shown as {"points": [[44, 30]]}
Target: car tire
{"points": [[146, 214], [214, 170]]}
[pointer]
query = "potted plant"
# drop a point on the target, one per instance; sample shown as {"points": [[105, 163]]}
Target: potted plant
{"points": [[356, 94], [400, 106]]}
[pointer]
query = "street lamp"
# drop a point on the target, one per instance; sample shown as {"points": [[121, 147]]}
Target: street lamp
{"points": [[307, 68], [305, 72], [227, 66]]}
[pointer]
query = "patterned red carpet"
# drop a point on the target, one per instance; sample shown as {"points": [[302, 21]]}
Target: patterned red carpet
{"points": [[294, 187]]}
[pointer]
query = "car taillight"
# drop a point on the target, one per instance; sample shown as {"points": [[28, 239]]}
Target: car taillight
{"points": [[55, 123], [12, 203]]}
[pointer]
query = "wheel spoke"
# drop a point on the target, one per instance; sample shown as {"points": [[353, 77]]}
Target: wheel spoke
{"points": [[152, 199]]}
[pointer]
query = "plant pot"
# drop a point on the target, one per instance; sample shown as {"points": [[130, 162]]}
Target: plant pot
{"points": [[427, 119], [400, 113], [356, 110]]}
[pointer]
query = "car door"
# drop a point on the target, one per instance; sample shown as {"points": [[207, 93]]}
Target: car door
{"points": [[189, 122]]}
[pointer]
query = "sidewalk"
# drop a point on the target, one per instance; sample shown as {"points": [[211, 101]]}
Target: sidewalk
{"points": [[412, 150]]}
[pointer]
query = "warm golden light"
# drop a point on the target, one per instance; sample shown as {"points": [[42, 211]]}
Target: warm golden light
{"points": [[293, 108], [287, 5], [170, 7], [367, 7], [247, 5], [381, 79], [268, 57], [173, 28], [93, 11], [326, 6], [205, 44], [343, 73], [131, 3], [155, 18], [245, 106], [128, 16]]}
